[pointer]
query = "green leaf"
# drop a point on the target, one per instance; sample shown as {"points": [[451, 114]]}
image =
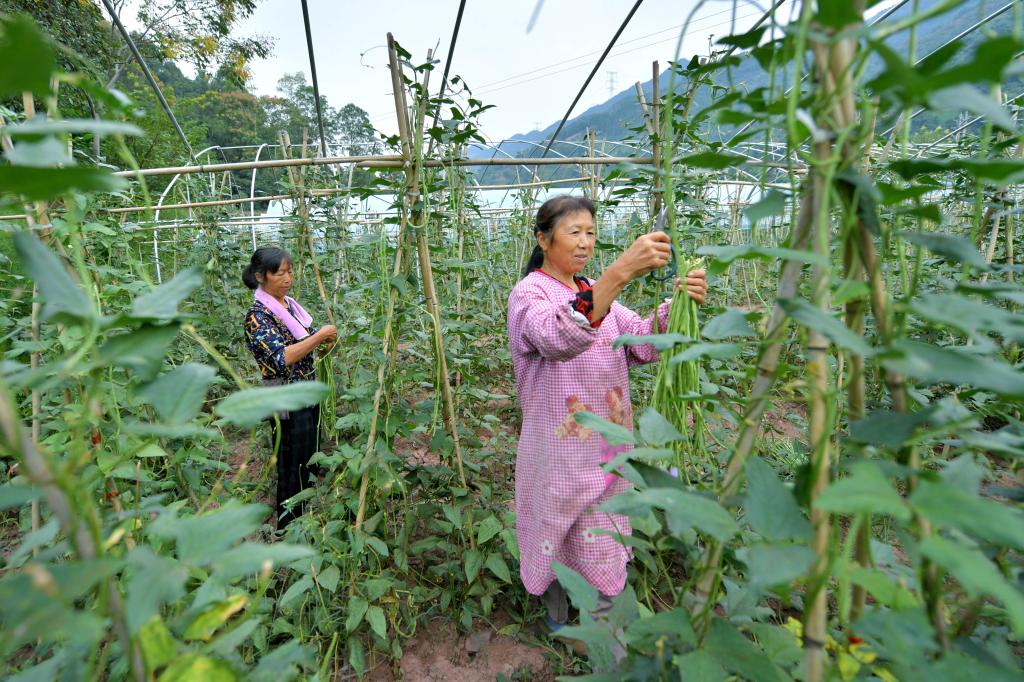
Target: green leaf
{"points": [[948, 506], [712, 160], [770, 507], [656, 430], [1001, 171], [732, 322], [178, 395], [213, 616], [887, 429], [296, 590], [965, 97], [814, 318], [739, 655], [722, 256], [45, 153], [487, 529], [582, 594], [251, 558], [971, 316], [977, 574], [614, 434], [685, 510], [251, 406], [661, 342], [700, 666], [357, 607], [161, 304], [885, 590], [378, 623], [496, 565], [773, 203], [771, 564], [196, 668], [42, 184], [328, 578], [953, 248], [715, 351], [141, 350], [473, 560], [283, 663], [865, 491], [205, 537], [671, 625], [89, 126], [154, 581], [744, 40], [157, 642], [27, 55], [14, 495], [150, 450], [953, 366], [838, 15], [357, 655], [64, 299]]}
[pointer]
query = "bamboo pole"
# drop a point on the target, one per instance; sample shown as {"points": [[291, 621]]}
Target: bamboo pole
{"points": [[816, 369], [413, 146], [391, 161], [645, 112], [856, 389], [656, 196], [298, 183], [706, 584]]}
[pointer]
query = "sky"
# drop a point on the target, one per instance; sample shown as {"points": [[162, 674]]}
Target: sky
{"points": [[530, 77]]}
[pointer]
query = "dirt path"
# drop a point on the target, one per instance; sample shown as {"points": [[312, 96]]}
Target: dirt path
{"points": [[438, 653]]}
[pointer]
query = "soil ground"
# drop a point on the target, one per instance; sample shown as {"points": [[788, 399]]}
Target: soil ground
{"points": [[438, 653]]}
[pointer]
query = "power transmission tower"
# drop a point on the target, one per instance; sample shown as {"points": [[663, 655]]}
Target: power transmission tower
{"points": [[611, 83]]}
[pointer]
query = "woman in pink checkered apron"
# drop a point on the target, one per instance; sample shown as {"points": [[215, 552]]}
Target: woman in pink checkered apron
{"points": [[561, 327]]}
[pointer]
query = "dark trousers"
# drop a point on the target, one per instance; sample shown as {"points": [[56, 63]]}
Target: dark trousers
{"points": [[300, 438]]}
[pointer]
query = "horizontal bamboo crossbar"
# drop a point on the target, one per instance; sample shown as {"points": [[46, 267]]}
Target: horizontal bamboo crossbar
{"points": [[315, 193], [385, 161]]}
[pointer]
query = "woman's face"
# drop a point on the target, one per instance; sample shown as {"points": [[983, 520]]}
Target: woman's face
{"points": [[571, 243], [279, 283]]}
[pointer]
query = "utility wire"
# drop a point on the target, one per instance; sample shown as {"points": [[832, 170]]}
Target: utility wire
{"points": [[149, 76], [593, 72], [312, 71]]}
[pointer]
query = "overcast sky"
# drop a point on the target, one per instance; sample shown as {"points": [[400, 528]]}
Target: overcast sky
{"points": [[530, 77]]}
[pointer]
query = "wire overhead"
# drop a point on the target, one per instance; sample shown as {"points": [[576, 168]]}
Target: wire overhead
{"points": [[149, 77], [316, 86], [448, 60], [593, 72]]}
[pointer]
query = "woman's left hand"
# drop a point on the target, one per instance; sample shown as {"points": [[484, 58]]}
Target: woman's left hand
{"points": [[696, 285]]}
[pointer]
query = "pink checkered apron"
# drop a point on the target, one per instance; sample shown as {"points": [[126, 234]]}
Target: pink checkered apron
{"points": [[563, 367]]}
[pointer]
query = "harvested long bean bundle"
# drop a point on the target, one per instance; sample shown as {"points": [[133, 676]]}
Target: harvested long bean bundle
{"points": [[329, 405], [678, 385]]}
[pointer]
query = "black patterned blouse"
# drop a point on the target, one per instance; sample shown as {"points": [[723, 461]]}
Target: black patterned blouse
{"points": [[267, 338]]}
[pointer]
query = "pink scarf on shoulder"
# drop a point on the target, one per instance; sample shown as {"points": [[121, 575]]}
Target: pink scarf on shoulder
{"points": [[294, 316]]}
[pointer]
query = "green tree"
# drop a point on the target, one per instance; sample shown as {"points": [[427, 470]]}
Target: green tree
{"points": [[197, 32]]}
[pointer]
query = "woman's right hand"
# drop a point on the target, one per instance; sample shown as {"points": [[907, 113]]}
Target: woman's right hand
{"points": [[328, 333], [648, 253]]}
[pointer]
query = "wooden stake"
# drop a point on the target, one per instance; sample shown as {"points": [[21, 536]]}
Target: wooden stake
{"points": [[413, 147]]}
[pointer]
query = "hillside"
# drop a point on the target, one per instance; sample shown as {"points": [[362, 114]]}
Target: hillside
{"points": [[614, 118]]}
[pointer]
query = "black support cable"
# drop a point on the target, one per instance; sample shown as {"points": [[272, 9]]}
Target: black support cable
{"points": [[149, 76], [312, 71], [448, 61], [593, 72], [877, 20], [967, 31]]}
